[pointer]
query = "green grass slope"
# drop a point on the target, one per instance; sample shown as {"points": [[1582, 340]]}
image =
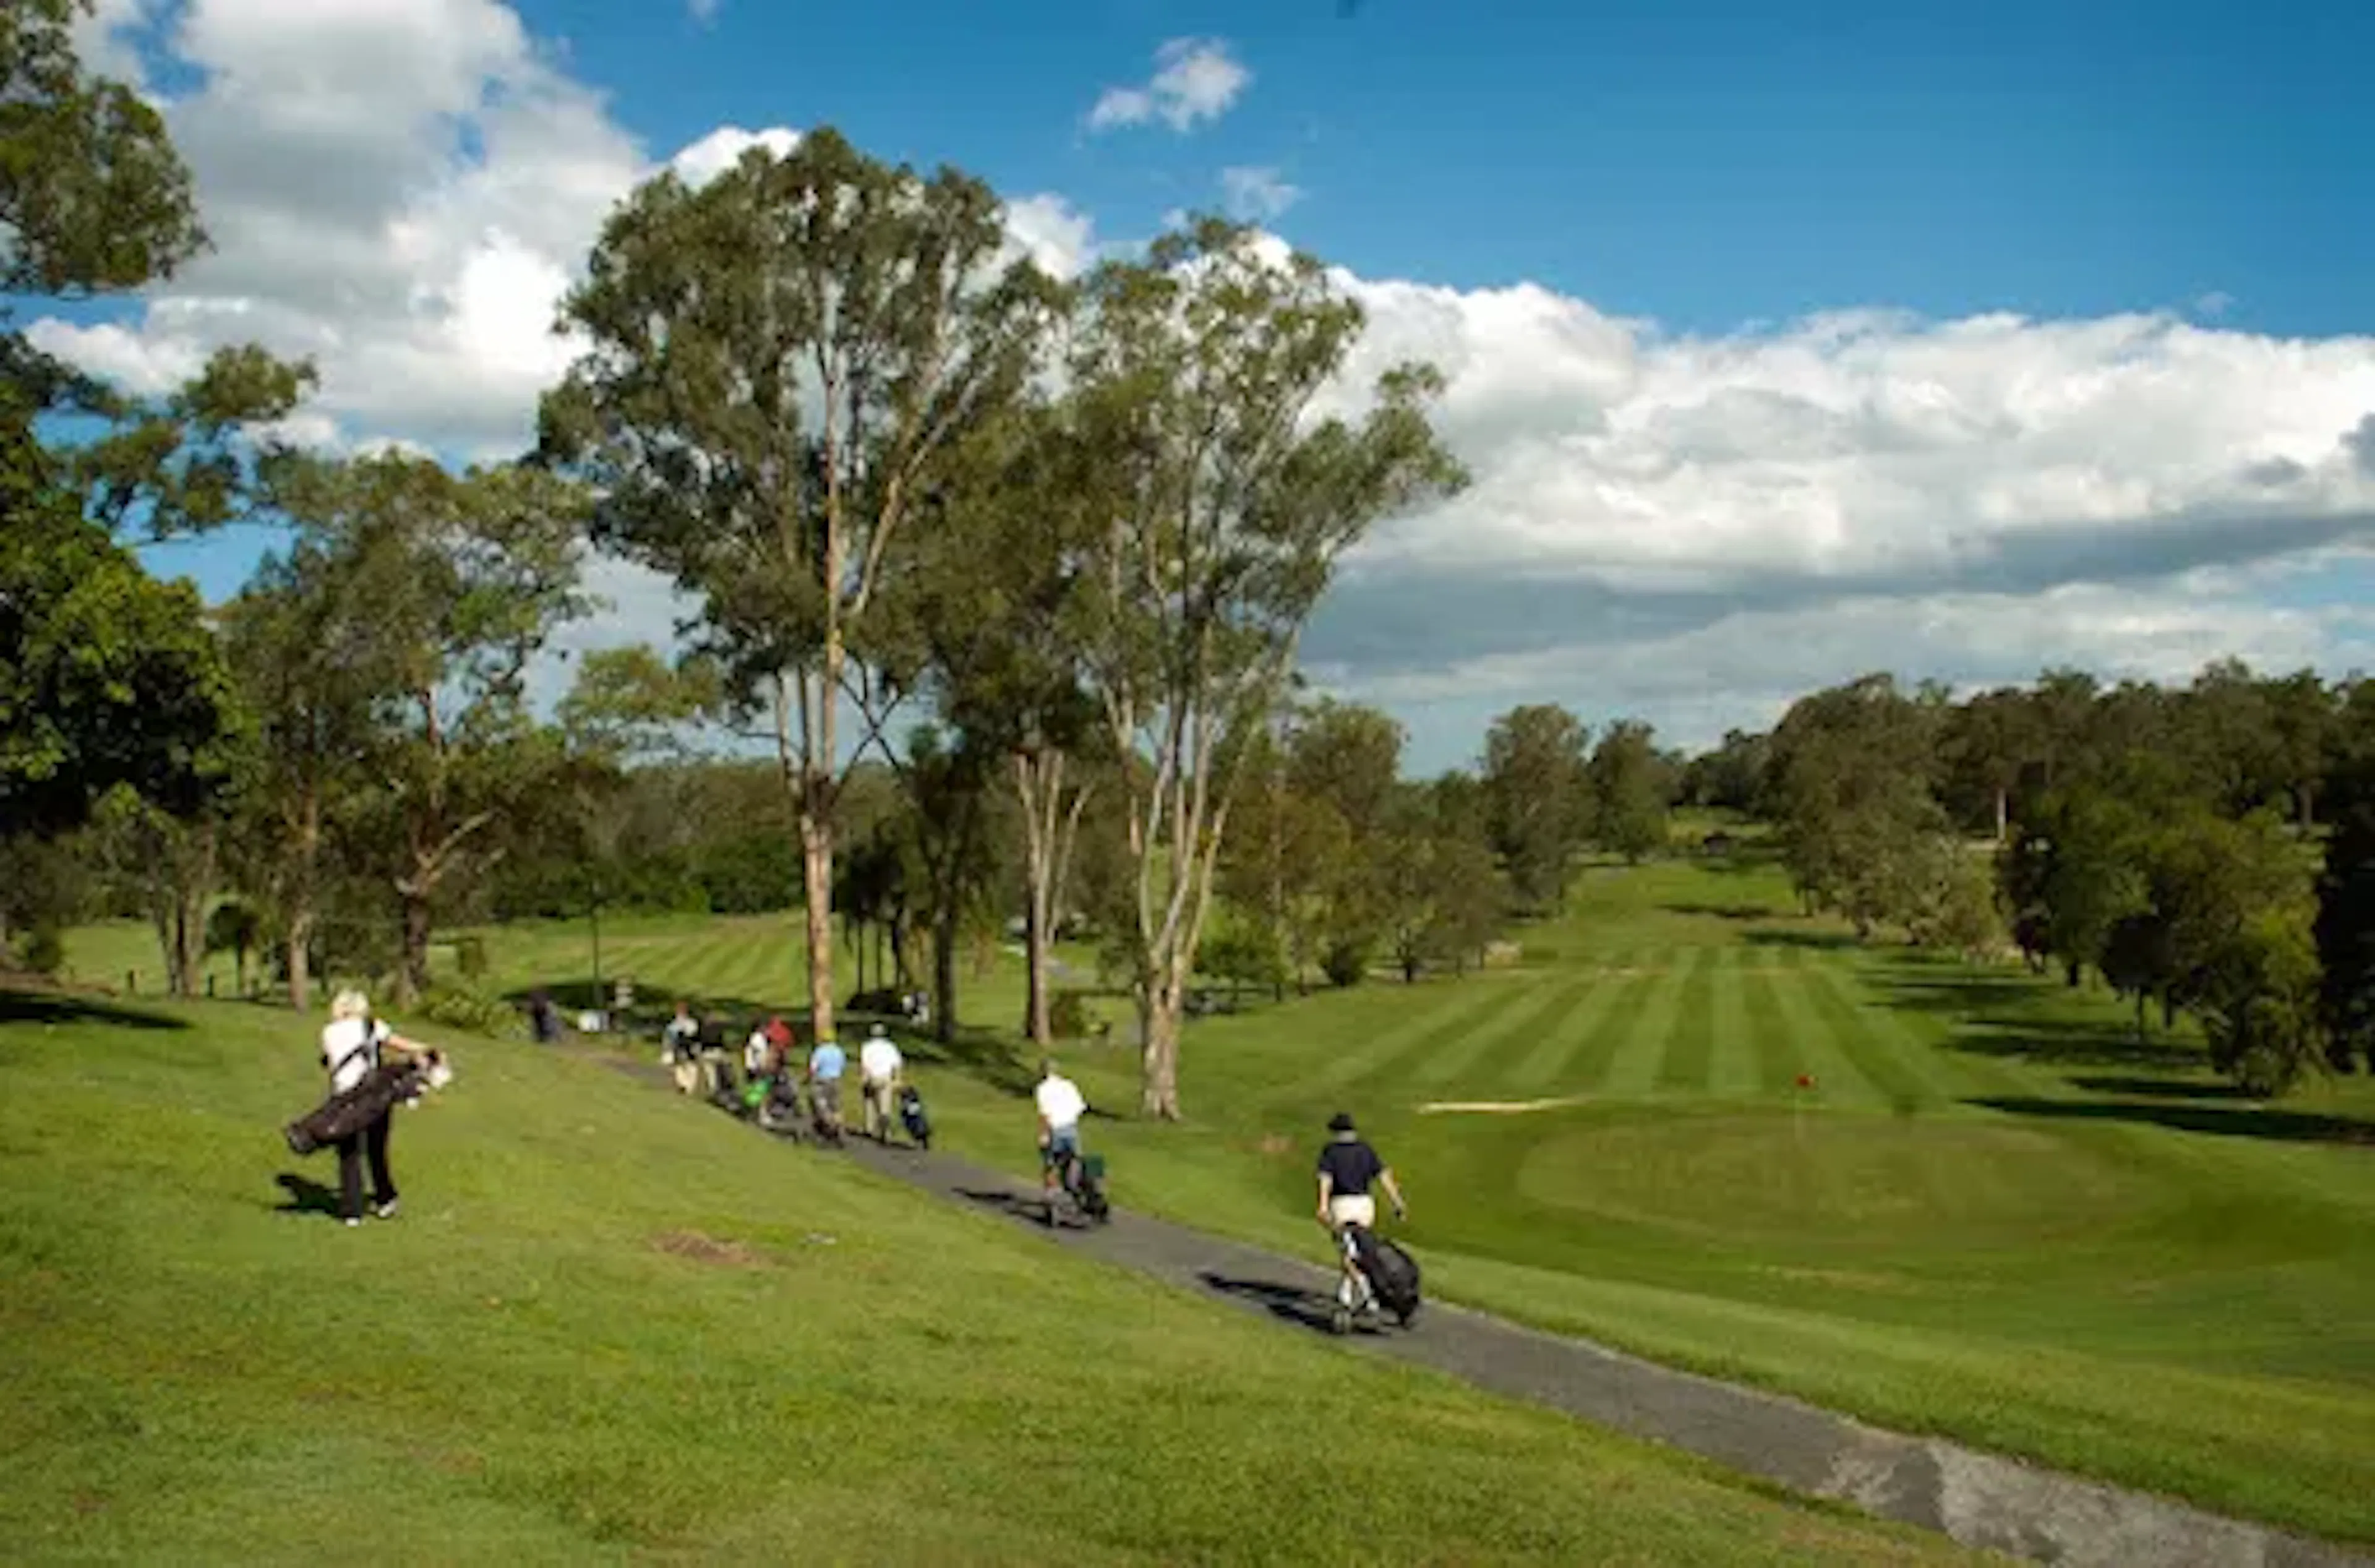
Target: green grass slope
{"points": [[611, 1325], [1996, 1214]]}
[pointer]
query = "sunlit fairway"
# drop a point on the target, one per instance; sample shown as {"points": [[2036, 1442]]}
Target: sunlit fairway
{"points": [[611, 1325], [1993, 1212], [1989, 1213]]}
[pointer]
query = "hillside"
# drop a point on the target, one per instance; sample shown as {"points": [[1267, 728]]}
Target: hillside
{"points": [[611, 1325]]}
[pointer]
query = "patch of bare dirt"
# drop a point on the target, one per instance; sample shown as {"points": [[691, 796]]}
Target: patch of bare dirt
{"points": [[1497, 1107], [707, 1249]]}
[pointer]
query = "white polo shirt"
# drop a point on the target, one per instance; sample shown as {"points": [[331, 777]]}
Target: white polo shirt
{"points": [[880, 1060], [349, 1066], [1061, 1102]]}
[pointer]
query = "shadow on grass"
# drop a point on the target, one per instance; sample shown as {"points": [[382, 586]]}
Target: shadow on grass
{"points": [[2010, 1017], [306, 1196], [2160, 1088], [1016, 1206], [1934, 987], [1820, 941], [1729, 910], [996, 1059], [1309, 1308], [2289, 1126], [32, 1007], [1744, 858]]}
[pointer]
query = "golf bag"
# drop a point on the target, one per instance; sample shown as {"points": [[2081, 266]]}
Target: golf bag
{"points": [[911, 1115], [778, 1105], [824, 1111], [1085, 1178], [1392, 1273], [350, 1110]]}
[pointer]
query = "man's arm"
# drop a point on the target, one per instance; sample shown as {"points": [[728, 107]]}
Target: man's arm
{"points": [[1327, 1190], [1394, 1190]]}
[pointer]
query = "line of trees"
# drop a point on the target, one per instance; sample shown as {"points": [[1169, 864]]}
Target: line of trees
{"points": [[1005, 577], [1083, 524], [2205, 849]]}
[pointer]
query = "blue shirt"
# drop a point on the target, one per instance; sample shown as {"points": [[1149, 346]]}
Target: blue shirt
{"points": [[826, 1061]]}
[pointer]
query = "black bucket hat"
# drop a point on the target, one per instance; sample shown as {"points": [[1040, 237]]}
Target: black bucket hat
{"points": [[1342, 1121]]}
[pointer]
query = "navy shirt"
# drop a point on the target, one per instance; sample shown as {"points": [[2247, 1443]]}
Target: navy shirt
{"points": [[1349, 1166]]}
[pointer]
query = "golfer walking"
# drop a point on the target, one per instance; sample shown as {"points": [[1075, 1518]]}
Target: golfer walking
{"points": [[354, 1042]]}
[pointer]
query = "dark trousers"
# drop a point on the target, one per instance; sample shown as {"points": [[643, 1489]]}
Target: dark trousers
{"points": [[373, 1141]]}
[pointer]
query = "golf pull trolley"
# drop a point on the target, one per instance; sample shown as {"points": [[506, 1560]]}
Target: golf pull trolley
{"points": [[1381, 1278], [1082, 1180]]}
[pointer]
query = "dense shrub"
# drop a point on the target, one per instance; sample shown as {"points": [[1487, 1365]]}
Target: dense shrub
{"points": [[42, 950], [1067, 1015], [464, 1008], [1346, 963]]}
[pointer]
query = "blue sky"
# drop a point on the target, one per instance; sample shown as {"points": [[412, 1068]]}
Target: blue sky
{"points": [[1706, 162], [1787, 341]]}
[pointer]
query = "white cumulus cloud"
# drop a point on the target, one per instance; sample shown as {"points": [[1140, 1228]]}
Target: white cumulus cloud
{"points": [[1257, 195], [1692, 527], [1195, 79], [722, 149]]}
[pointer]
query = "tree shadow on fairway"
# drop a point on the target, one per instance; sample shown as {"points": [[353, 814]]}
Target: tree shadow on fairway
{"points": [[1311, 1309], [59, 1008], [2160, 1088], [1728, 911], [1931, 986], [996, 1059], [306, 1196], [1817, 941], [2288, 1127], [2072, 1045], [2007, 1016]]}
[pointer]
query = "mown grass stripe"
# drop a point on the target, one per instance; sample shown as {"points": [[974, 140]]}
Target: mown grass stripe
{"points": [[1734, 1068], [1893, 1077], [1919, 1042], [1505, 1019], [1574, 1054], [1384, 1047], [1632, 1067], [1524, 1034], [1966, 1073], [1688, 1050], [1818, 1052]]}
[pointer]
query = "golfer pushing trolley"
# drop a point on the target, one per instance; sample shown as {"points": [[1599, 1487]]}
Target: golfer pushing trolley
{"points": [[1375, 1272]]}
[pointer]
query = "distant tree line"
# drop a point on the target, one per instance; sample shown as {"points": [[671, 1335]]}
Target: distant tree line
{"points": [[2205, 849]]}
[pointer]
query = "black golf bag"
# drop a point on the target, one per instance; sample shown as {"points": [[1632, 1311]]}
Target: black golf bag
{"points": [[778, 1105], [350, 1110], [1392, 1274], [912, 1116], [1085, 1178]]}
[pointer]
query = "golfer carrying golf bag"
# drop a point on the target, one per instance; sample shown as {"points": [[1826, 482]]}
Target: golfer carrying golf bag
{"points": [[1375, 1270], [354, 1045]]}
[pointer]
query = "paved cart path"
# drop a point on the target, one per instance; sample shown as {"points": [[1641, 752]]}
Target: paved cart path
{"points": [[1981, 1500]]}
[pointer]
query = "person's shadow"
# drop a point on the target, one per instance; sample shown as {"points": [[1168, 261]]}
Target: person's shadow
{"points": [[1310, 1308], [306, 1196]]}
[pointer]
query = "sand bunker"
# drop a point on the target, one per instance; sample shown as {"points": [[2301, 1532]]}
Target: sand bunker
{"points": [[1497, 1107]]}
